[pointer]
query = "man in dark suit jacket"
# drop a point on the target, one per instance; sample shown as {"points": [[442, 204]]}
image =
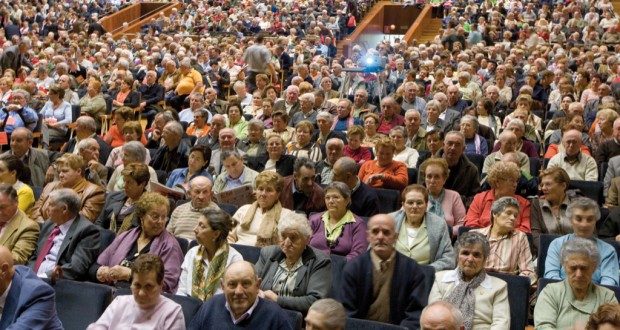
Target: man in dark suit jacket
{"points": [[290, 104], [78, 245], [30, 302], [37, 159], [175, 153], [87, 128], [14, 57], [152, 93], [364, 199], [408, 294], [324, 122]]}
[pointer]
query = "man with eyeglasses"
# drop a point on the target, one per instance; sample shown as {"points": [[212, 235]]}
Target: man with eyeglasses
{"points": [[578, 165], [17, 113]]}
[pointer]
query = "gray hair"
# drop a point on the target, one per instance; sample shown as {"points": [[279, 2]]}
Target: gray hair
{"points": [[501, 204], [186, 62], [24, 93], [332, 310], [231, 153], [459, 133], [85, 143], [517, 122], [307, 97], [176, 127], [434, 103], [400, 129], [87, 122], [303, 162], [66, 197], [296, 222], [342, 189], [348, 165], [582, 246], [472, 120], [473, 238], [326, 115], [457, 316], [136, 150], [584, 204], [256, 123]]}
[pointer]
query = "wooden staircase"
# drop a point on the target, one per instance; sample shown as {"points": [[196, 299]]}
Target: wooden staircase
{"points": [[431, 30]]}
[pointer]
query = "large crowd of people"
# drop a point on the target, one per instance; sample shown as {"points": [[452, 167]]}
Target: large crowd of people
{"points": [[492, 149]]}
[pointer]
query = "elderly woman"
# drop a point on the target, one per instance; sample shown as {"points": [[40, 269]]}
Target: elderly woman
{"points": [[132, 131], [474, 143], [511, 250], [525, 146], [115, 135], [548, 212], [6, 89], [402, 153], [503, 178], [275, 160], [204, 265], [257, 222], [355, 136], [279, 120], [384, 172], [146, 308], [484, 111], [444, 203], [563, 304], [118, 212], [482, 299], [13, 172], [422, 235], [605, 119], [56, 114], [236, 121], [133, 152], [71, 169], [338, 230], [199, 127], [267, 107], [432, 121], [92, 103], [125, 96], [294, 274], [256, 108], [371, 125], [114, 265], [254, 144], [198, 162], [302, 147]]}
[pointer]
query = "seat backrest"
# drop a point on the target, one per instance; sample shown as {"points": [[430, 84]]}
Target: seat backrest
{"points": [[295, 317], [106, 237], [389, 200], [518, 298], [76, 110], [79, 304], [602, 170], [615, 244], [591, 189], [543, 246], [183, 243], [249, 253], [413, 175], [359, 324], [429, 278], [228, 208], [338, 263], [477, 160], [534, 166], [464, 229], [37, 191], [162, 176]]}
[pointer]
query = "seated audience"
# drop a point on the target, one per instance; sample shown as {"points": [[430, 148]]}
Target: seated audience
{"points": [[441, 315], [578, 165], [174, 154], [482, 298], [204, 265], [384, 172], [146, 307], [275, 160], [606, 315], [19, 233], [133, 153], [16, 174], [474, 143], [36, 159], [464, 177], [345, 119], [17, 113], [523, 145], [338, 230], [280, 120], [132, 131], [197, 165], [235, 173], [299, 191], [507, 143], [302, 146], [254, 145], [95, 172], [236, 121], [184, 218], [334, 149], [87, 128], [402, 153], [563, 304], [115, 136], [364, 200], [355, 136], [371, 125], [294, 258], [326, 313], [324, 122], [56, 115], [125, 96], [113, 266]]}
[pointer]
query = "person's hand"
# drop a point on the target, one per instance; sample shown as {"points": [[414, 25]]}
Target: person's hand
{"points": [[120, 273], [618, 238], [93, 164], [156, 135], [143, 105], [270, 295], [374, 178], [50, 174], [103, 274], [116, 103], [199, 84]]}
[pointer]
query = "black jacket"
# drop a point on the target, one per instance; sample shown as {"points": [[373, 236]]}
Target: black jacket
{"points": [[284, 166]]}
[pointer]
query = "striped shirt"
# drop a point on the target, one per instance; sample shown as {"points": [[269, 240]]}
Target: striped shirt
{"points": [[184, 219]]}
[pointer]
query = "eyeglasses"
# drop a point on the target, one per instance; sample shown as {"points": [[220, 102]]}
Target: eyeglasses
{"points": [[158, 218]]}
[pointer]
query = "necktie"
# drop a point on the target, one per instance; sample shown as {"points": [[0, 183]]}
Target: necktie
{"points": [[46, 248]]}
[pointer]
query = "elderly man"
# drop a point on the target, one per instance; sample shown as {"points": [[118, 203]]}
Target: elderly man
{"points": [[255, 144], [95, 172], [578, 165], [228, 142], [416, 135], [321, 103], [307, 112], [411, 99], [19, 233], [390, 116], [568, 303], [212, 139], [190, 80], [67, 239], [185, 217], [36, 159], [361, 107], [196, 101], [245, 98], [151, 93], [154, 134], [240, 306], [382, 284], [212, 103], [92, 103], [364, 200], [29, 302], [325, 314], [133, 152], [234, 174], [14, 57], [384, 172], [290, 104], [455, 102], [174, 154], [507, 143], [324, 168], [70, 96], [325, 121], [464, 176], [300, 192], [86, 127], [18, 113], [524, 145], [441, 315], [448, 116], [584, 213], [345, 119]]}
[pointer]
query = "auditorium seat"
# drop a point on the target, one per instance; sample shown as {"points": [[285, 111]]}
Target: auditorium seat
{"points": [[518, 298], [591, 189], [542, 283], [296, 318], [338, 263], [249, 253], [359, 324], [183, 243], [477, 160], [79, 304], [389, 200], [545, 241]]}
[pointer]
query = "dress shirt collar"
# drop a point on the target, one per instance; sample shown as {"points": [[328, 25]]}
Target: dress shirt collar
{"points": [[453, 276], [357, 185], [64, 228], [378, 263], [245, 315]]}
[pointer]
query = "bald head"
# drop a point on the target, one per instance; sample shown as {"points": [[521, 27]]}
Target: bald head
{"points": [[441, 315], [200, 192], [382, 235], [6, 267]]}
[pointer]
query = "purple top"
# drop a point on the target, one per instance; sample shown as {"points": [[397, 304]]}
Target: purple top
{"points": [[351, 243], [165, 246]]}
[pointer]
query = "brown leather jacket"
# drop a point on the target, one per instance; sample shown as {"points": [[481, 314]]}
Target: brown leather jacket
{"points": [[92, 198]]}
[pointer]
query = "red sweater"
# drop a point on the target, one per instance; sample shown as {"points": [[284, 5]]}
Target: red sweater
{"points": [[395, 175], [362, 153], [479, 213]]}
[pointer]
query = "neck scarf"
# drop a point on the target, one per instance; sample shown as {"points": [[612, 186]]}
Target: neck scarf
{"points": [[434, 205], [267, 231], [205, 288], [335, 233], [464, 298]]}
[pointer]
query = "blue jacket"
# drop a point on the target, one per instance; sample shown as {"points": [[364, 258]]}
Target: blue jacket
{"points": [[30, 303], [178, 176]]}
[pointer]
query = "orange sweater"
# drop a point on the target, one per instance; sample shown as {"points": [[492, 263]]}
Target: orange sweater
{"points": [[395, 174]]}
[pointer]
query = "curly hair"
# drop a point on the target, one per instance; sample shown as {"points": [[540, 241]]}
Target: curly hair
{"points": [[503, 170], [150, 200]]}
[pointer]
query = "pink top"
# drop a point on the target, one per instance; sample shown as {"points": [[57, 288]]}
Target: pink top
{"points": [[124, 313]]}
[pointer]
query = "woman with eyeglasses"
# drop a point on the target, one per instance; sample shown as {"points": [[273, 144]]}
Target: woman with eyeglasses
{"points": [[114, 265]]}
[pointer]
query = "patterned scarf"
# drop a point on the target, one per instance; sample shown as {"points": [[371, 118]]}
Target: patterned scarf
{"points": [[267, 232], [434, 205], [464, 298], [205, 288]]}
